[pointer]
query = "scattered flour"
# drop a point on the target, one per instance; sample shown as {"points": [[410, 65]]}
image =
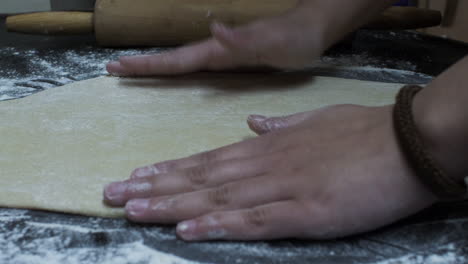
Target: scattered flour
{"points": [[366, 60], [5, 97], [446, 258], [39, 70], [24, 241], [73, 228], [47, 238], [135, 252]]}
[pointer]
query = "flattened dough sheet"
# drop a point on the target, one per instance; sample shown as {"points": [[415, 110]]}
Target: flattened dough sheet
{"points": [[60, 147]]}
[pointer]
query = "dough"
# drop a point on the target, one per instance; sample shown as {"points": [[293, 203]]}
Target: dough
{"points": [[60, 147]]}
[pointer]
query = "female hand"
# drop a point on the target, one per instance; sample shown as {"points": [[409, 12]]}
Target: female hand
{"points": [[292, 40], [322, 174]]}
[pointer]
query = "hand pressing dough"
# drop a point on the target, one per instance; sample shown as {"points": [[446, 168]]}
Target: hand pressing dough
{"points": [[60, 147]]}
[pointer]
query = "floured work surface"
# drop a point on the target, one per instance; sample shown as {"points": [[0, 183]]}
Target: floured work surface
{"points": [[60, 147]]}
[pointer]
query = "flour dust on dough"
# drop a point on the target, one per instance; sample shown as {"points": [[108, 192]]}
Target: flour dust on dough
{"points": [[60, 147]]}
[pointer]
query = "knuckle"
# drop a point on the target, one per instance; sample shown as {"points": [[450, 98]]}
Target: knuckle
{"points": [[161, 168], [221, 196], [165, 204], [165, 60], [281, 154], [198, 175], [147, 171], [171, 62], [256, 217], [139, 187], [165, 167], [147, 65], [207, 157]]}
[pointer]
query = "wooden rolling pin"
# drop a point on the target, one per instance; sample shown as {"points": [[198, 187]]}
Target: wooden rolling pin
{"points": [[118, 23]]}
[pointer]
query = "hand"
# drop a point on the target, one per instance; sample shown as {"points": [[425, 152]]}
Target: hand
{"points": [[292, 40], [322, 174], [282, 42]]}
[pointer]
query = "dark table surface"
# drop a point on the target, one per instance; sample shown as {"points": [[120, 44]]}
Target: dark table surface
{"points": [[30, 64]]}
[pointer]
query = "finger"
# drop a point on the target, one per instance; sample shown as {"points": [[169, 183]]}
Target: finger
{"points": [[205, 55], [235, 195], [256, 146], [116, 69], [152, 170], [240, 150], [177, 61], [187, 180], [262, 124], [118, 193], [271, 221]]}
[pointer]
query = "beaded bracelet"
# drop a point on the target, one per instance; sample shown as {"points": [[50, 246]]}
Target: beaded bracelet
{"points": [[426, 168]]}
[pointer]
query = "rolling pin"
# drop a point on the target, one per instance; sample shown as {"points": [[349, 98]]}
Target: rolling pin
{"points": [[120, 23]]}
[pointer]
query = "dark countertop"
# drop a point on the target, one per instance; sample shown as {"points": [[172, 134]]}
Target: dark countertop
{"points": [[34, 63]]}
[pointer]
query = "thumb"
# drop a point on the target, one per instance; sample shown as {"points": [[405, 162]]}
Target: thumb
{"points": [[243, 42], [262, 43], [263, 125]]}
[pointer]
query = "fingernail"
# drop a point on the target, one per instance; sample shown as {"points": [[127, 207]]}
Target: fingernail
{"points": [[113, 69], [115, 191], [112, 65], [257, 118], [186, 230], [137, 207], [212, 230], [146, 171]]}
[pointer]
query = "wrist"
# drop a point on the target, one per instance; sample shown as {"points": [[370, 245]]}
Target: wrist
{"points": [[442, 128]]}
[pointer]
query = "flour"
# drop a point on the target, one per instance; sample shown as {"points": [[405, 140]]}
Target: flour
{"points": [[5, 97], [73, 228], [51, 248], [366, 60], [449, 257], [363, 66], [48, 238], [38, 70], [135, 252]]}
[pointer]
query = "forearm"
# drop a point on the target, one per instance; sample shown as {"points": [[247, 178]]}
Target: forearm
{"points": [[441, 114], [334, 19]]}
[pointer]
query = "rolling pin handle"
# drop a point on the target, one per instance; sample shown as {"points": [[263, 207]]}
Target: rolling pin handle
{"points": [[52, 23]]}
